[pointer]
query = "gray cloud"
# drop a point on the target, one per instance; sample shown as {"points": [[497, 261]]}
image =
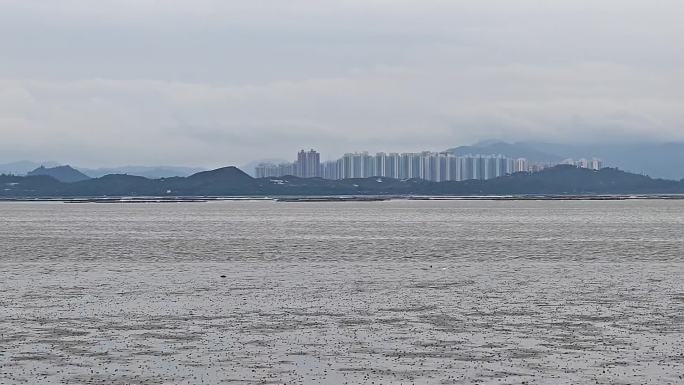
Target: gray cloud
{"points": [[210, 83]]}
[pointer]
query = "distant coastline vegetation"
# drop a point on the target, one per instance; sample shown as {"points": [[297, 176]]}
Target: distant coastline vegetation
{"points": [[231, 181]]}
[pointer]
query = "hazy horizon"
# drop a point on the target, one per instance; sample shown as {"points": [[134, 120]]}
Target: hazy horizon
{"points": [[291, 156], [214, 83]]}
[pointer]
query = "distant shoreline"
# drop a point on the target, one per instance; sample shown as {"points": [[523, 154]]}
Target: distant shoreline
{"points": [[560, 182], [349, 198]]}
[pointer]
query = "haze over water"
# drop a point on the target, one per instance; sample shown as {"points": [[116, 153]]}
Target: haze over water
{"points": [[397, 292]]}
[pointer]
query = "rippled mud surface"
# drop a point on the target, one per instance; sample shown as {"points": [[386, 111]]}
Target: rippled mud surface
{"points": [[399, 292]]}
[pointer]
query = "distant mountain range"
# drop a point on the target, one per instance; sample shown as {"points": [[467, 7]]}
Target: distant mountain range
{"points": [[152, 172], [658, 160], [64, 174], [513, 150], [231, 181], [23, 167]]}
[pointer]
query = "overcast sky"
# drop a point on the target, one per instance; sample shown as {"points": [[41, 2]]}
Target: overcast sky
{"points": [[212, 83]]}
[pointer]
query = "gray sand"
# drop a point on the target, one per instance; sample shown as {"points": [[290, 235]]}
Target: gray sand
{"points": [[342, 293]]}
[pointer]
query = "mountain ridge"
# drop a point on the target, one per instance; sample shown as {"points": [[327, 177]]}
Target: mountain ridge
{"points": [[22, 167], [65, 174], [513, 150], [150, 172], [231, 181], [657, 159]]}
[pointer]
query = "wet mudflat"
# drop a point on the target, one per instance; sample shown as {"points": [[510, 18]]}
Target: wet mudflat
{"points": [[400, 292]]}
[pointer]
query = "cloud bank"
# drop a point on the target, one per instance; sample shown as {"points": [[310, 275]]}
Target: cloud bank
{"points": [[210, 83]]}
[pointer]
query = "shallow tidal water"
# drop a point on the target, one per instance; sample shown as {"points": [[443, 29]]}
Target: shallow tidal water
{"points": [[397, 292]]}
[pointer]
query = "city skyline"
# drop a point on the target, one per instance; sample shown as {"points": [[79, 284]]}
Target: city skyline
{"points": [[257, 156], [21, 167], [426, 165]]}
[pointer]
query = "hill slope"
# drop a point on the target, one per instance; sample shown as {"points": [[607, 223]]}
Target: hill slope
{"points": [[23, 167], [513, 150], [155, 172], [65, 174], [660, 160]]}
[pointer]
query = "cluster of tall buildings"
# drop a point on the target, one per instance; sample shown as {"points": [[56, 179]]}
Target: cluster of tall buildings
{"points": [[307, 165], [431, 166]]}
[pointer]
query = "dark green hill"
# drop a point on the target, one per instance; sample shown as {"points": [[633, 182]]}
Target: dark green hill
{"points": [[222, 181], [115, 185], [30, 186], [556, 180]]}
